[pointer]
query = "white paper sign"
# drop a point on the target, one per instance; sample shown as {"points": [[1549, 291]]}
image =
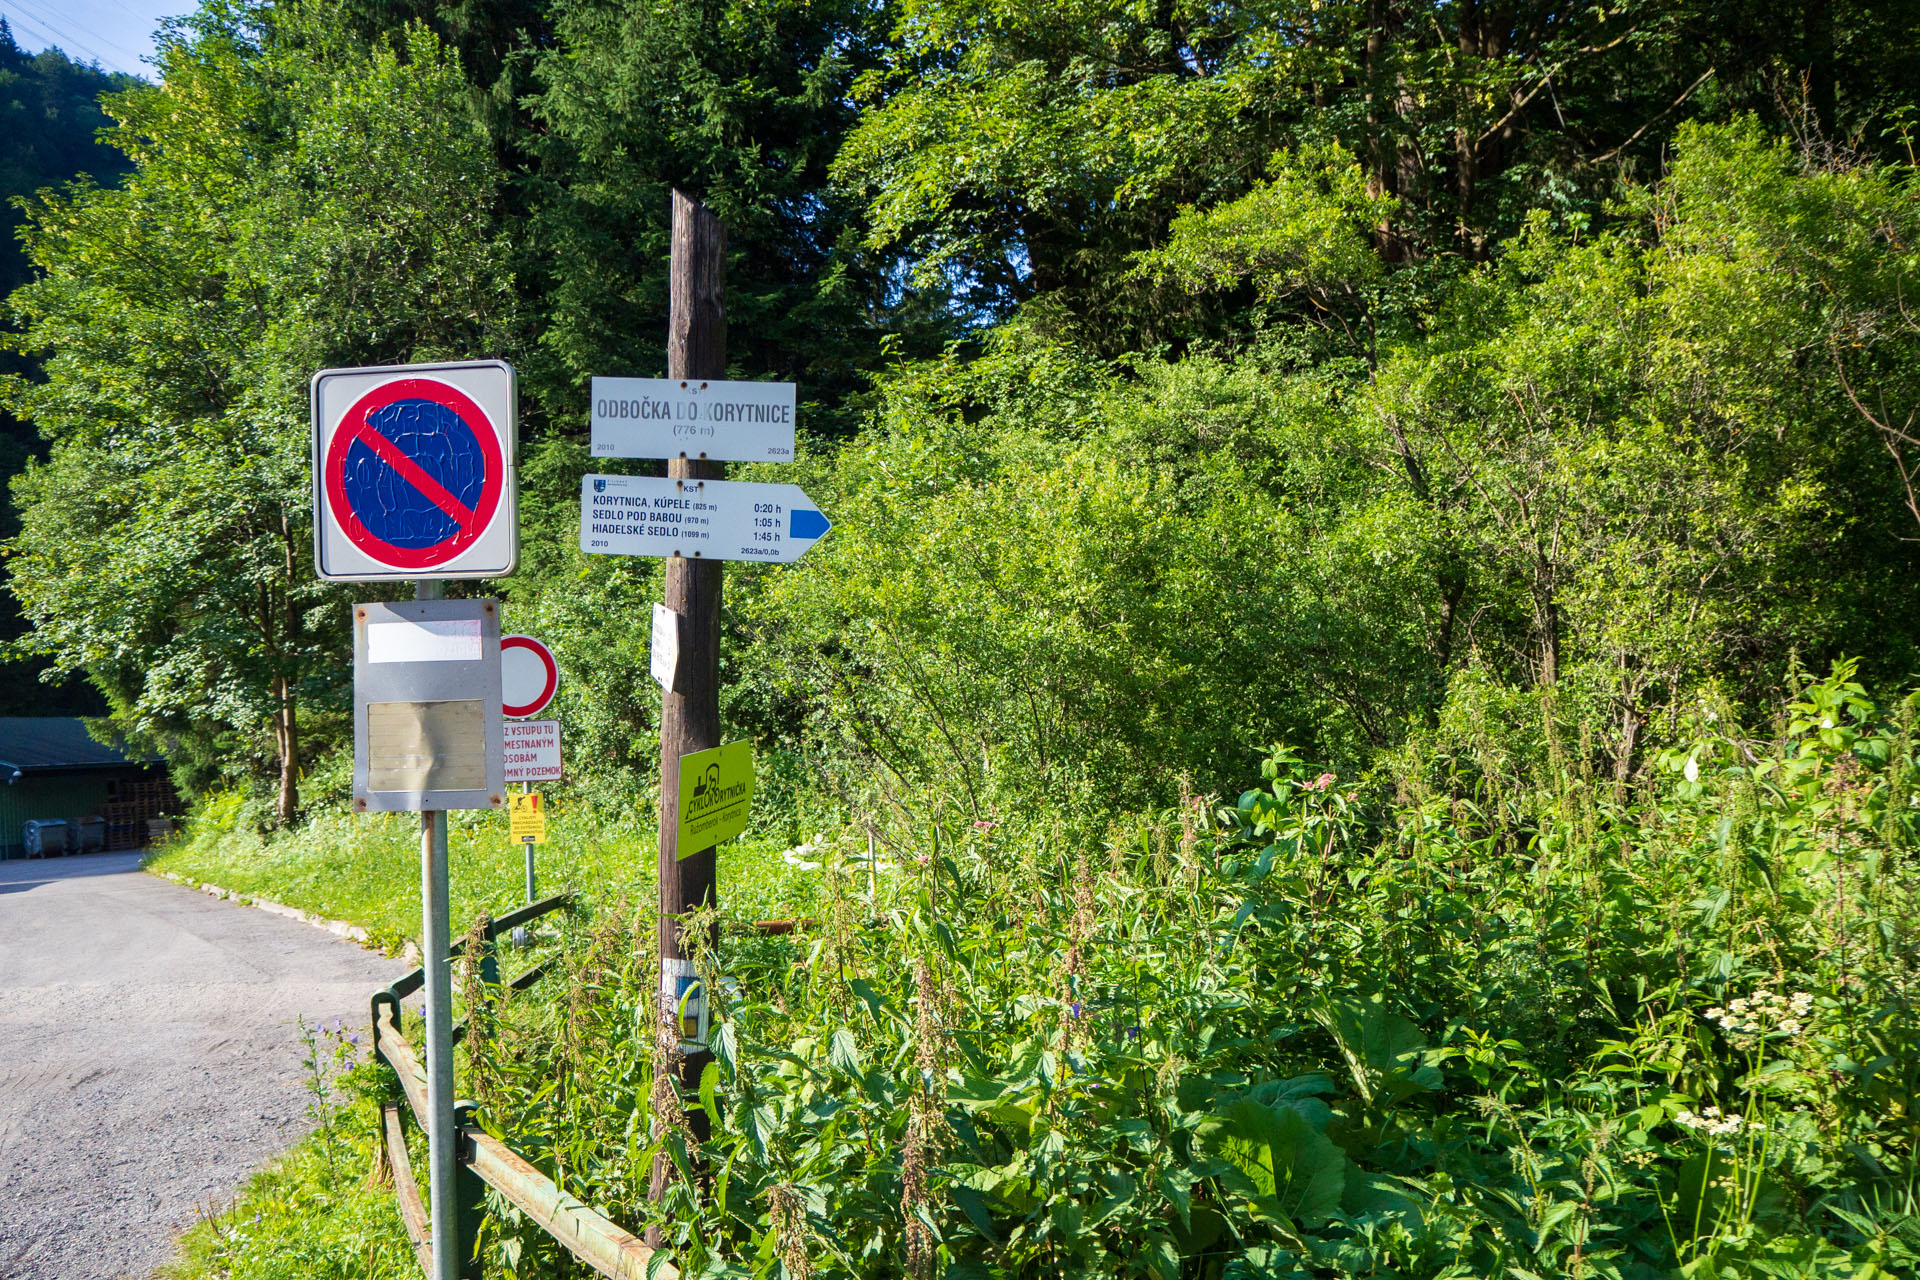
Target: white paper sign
{"points": [[710, 519], [435, 640], [666, 645], [673, 418], [533, 750]]}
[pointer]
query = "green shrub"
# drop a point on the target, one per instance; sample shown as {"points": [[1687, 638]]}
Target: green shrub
{"points": [[1306, 1033]]}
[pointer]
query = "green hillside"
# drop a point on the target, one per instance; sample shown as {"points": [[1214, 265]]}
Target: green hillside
{"points": [[49, 116]]}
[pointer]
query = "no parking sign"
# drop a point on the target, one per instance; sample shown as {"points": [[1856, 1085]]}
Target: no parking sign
{"points": [[413, 471]]}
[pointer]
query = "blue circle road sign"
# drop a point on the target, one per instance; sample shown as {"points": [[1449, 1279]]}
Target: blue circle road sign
{"points": [[414, 473]]}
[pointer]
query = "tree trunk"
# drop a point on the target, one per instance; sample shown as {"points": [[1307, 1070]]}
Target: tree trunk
{"points": [[1452, 581], [286, 735]]}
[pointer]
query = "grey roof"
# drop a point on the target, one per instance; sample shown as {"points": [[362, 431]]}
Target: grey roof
{"points": [[31, 743]]}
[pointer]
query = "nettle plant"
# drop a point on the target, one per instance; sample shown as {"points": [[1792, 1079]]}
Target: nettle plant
{"points": [[1313, 1032]]}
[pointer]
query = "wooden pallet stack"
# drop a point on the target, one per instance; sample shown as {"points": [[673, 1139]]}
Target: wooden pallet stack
{"points": [[134, 802]]}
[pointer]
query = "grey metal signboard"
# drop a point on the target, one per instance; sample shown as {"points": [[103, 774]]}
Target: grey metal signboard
{"points": [[428, 729]]}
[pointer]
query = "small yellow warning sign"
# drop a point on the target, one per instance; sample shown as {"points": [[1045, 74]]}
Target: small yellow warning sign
{"points": [[526, 819]]}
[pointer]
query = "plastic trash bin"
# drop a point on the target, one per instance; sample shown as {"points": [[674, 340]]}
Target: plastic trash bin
{"points": [[89, 835], [45, 837]]}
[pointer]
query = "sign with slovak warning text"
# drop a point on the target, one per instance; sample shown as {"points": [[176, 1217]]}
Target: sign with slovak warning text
{"points": [[532, 750], [526, 820]]}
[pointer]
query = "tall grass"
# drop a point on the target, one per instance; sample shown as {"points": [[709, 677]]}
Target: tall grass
{"points": [[1312, 1032], [365, 868]]}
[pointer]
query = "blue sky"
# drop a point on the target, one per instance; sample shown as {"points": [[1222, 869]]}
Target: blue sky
{"points": [[115, 33]]}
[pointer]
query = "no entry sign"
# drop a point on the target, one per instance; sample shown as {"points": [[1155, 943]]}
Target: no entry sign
{"points": [[413, 471], [529, 677]]}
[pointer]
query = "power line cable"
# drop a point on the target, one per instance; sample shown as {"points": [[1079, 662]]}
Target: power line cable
{"points": [[33, 31], [40, 27], [54, 21]]}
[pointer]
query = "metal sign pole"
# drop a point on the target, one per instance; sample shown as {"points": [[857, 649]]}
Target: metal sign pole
{"points": [[434, 945], [527, 845]]}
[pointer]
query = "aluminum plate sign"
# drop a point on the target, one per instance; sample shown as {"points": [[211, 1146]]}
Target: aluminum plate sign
{"points": [[693, 418], [708, 519], [413, 472]]}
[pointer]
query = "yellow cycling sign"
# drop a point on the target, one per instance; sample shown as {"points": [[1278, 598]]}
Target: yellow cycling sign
{"points": [[716, 793]]}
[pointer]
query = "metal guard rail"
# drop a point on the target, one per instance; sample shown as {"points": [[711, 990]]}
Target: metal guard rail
{"points": [[584, 1232]]}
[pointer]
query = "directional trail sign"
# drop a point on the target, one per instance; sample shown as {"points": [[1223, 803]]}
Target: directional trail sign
{"points": [[413, 471], [709, 519], [692, 418]]}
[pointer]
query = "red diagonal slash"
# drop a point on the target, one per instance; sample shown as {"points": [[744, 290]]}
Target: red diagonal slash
{"points": [[410, 471]]}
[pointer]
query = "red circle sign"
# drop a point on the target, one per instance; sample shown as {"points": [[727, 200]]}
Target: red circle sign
{"points": [[414, 473], [529, 677]]}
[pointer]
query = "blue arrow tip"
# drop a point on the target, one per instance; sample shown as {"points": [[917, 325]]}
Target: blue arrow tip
{"points": [[807, 525]]}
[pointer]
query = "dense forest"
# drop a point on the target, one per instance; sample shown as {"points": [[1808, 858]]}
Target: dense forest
{"points": [[49, 116], [1227, 374], [1356, 718]]}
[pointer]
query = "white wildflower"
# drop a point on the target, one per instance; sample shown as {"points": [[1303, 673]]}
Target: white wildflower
{"points": [[1692, 770], [1747, 1021], [1712, 1123]]}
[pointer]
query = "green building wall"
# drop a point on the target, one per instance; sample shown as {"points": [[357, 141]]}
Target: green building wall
{"points": [[49, 795]]}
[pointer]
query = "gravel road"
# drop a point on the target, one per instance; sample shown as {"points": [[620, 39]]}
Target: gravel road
{"points": [[149, 1056]]}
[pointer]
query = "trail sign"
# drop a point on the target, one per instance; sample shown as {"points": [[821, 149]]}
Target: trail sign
{"points": [[684, 1001], [529, 677], [526, 820], [426, 706], [531, 750], [413, 471], [704, 519], [692, 418], [716, 794]]}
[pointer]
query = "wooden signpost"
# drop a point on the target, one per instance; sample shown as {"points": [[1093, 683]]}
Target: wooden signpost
{"points": [[690, 711], [696, 521]]}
